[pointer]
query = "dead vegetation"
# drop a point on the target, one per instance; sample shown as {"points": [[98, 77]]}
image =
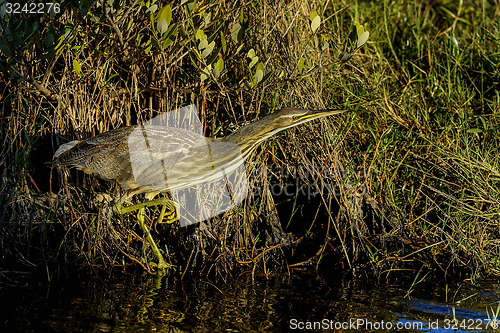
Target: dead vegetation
{"points": [[373, 204]]}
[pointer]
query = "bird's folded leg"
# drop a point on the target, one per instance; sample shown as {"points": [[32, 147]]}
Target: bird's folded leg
{"points": [[118, 208]]}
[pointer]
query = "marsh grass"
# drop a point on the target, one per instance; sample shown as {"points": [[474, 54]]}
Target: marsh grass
{"points": [[414, 165]]}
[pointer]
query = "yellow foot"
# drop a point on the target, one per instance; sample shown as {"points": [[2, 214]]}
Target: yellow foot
{"points": [[161, 267]]}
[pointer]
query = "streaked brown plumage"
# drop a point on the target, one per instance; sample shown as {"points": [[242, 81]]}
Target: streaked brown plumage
{"points": [[151, 159], [182, 153]]}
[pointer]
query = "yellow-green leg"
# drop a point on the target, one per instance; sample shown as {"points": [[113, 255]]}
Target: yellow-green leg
{"points": [[162, 264], [165, 202]]}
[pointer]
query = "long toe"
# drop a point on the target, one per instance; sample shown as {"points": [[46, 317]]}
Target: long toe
{"points": [[161, 267]]}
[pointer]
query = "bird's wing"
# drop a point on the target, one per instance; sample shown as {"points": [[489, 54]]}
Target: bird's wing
{"points": [[199, 164], [155, 143], [155, 150]]}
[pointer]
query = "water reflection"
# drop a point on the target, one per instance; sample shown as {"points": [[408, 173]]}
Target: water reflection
{"points": [[302, 301]]}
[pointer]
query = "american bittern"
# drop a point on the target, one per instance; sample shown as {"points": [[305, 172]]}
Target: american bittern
{"points": [[181, 154]]}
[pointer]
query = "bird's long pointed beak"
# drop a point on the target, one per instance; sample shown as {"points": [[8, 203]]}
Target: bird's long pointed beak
{"points": [[313, 114], [325, 111]]}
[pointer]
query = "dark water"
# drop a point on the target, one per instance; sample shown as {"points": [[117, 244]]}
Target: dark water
{"points": [[301, 301]]}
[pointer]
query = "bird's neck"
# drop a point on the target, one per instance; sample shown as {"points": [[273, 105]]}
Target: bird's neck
{"points": [[250, 136]]}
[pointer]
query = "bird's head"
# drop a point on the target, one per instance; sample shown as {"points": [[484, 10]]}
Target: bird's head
{"points": [[290, 117]]}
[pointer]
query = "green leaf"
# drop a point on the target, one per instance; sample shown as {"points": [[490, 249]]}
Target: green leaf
{"points": [[362, 39], [343, 56], [223, 41], [162, 26], [474, 130], [165, 14], [253, 58], [359, 29], [206, 48], [170, 35], [152, 9], [237, 33], [216, 71], [77, 68], [325, 45], [483, 121], [203, 44], [206, 52], [205, 73], [207, 17], [267, 76], [149, 45], [190, 6], [313, 15], [219, 65], [156, 43], [315, 23], [200, 34], [301, 65], [259, 74]]}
